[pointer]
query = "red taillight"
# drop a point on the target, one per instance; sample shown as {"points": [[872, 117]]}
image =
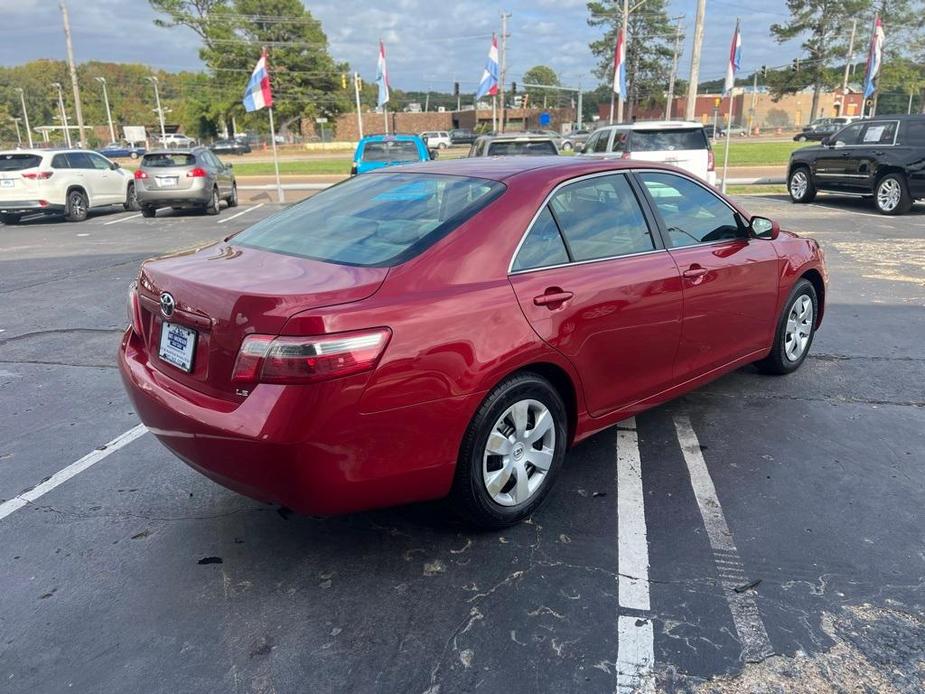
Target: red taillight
{"points": [[38, 175], [287, 359], [196, 173], [134, 309], [711, 161], [139, 174]]}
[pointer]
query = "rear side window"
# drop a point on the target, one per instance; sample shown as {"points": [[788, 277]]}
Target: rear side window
{"points": [[913, 133], [879, 133], [601, 218], [19, 162], [396, 150], [59, 161], [375, 221], [167, 159], [543, 246], [668, 140], [536, 148], [79, 160]]}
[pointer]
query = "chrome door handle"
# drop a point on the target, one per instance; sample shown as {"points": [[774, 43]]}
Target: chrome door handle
{"points": [[552, 298], [695, 272]]}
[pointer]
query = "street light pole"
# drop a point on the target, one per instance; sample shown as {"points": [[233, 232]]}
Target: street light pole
{"points": [[160, 112], [67, 133], [25, 115], [112, 131], [674, 70], [19, 136], [621, 97]]}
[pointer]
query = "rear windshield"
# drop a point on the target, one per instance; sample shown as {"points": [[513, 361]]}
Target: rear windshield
{"points": [[395, 150], [374, 220], [668, 140], [538, 148], [167, 159], [18, 162]]}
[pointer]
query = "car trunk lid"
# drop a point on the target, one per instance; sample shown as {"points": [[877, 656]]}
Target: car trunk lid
{"points": [[225, 292]]}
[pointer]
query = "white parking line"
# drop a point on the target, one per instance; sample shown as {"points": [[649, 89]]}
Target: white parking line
{"points": [[244, 211], [743, 605], [121, 219], [17, 502], [635, 650]]}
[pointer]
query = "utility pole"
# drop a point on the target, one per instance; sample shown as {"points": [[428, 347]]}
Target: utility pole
{"points": [[692, 85], [504, 17], [112, 131], [73, 69], [67, 132], [356, 94], [19, 136], [751, 112], [160, 112], [25, 115], [849, 58], [621, 99], [580, 109], [674, 70]]}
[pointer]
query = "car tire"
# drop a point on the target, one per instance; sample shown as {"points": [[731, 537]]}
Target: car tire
{"points": [[442, 145], [148, 212], [800, 185], [891, 196], [131, 199], [9, 218], [233, 198], [503, 423], [796, 328], [214, 205], [133, 155], [77, 207]]}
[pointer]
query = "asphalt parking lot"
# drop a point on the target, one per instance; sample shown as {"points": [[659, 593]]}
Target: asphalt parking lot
{"points": [[760, 534]]}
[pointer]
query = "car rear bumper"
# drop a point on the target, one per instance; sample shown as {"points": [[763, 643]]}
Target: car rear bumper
{"points": [[29, 206], [307, 448], [199, 193]]}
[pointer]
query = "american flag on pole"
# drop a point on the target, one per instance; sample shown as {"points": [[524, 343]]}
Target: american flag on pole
{"points": [[488, 85], [619, 64], [735, 60], [874, 58], [382, 76], [258, 94]]}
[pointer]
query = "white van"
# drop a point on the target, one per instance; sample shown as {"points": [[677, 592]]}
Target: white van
{"points": [[681, 143], [437, 139]]}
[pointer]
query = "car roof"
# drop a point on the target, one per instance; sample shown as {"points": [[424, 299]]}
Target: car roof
{"points": [[516, 136], [175, 150], [502, 168], [655, 125], [389, 138]]}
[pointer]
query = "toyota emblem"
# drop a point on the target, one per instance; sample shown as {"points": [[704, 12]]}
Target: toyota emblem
{"points": [[168, 304]]}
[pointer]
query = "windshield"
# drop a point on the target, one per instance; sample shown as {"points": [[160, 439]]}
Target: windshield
{"points": [[395, 150], [667, 140], [167, 160], [538, 148], [376, 220], [18, 162]]}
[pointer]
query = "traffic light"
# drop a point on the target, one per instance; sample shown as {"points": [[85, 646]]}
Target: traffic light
{"points": [[764, 72], [343, 81], [796, 65], [455, 88], [513, 88]]}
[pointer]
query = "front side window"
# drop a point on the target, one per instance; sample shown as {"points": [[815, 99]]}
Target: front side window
{"points": [[601, 218], [691, 213], [374, 221], [849, 135], [394, 150], [543, 246], [98, 162]]}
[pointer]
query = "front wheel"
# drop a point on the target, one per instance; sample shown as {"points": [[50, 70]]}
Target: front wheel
{"points": [[511, 452], [800, 185], [9, 218], [77, 208], [795, 331], [892, 195]]}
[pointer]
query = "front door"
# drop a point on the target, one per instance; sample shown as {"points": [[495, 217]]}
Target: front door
{"points": [[596, 284], [835, 169], [730, 281]]}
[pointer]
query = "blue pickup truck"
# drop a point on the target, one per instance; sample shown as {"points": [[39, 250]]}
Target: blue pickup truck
{"points": [[378, 151]]}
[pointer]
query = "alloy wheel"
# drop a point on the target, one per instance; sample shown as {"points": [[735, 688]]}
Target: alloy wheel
{"points": [[798, 184], [519, 452], [799, 327], [889, 193], [77, 204]]}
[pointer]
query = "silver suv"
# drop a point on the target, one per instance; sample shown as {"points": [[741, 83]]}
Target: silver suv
{"points": [[184, 179]]}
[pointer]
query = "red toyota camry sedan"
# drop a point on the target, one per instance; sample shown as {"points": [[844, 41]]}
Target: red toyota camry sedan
{"points": [[451, 328]]}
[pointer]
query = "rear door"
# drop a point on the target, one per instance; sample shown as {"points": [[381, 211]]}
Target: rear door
{"points": [[730, 281], [686, 148], [876, 141], [596, 284]]}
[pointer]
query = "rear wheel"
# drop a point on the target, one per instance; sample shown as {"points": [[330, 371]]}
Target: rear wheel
{"points": [[77, 207], [795, 331], [213, 205], [892, 195], [131, 199], [148, 212], [800, 185], [9, 218], [511, 452], [233, 198]]}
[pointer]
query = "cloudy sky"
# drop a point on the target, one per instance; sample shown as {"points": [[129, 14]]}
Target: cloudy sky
{"points": [[429, 44]]}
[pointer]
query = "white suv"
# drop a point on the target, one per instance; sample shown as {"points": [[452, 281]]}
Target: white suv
{"points": [[437, 139], [67, 182], [681, 143]]}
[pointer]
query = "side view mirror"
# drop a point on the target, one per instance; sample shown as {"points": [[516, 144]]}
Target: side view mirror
{"points": [[433, 153], [115, 165], [764, 228]]}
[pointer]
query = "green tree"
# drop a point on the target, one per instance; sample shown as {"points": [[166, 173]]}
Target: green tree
{"points": [[649, 49], [541, 74]]}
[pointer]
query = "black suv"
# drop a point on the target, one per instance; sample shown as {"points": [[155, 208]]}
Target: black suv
{"points": [[881, 157], [462, 136]]}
